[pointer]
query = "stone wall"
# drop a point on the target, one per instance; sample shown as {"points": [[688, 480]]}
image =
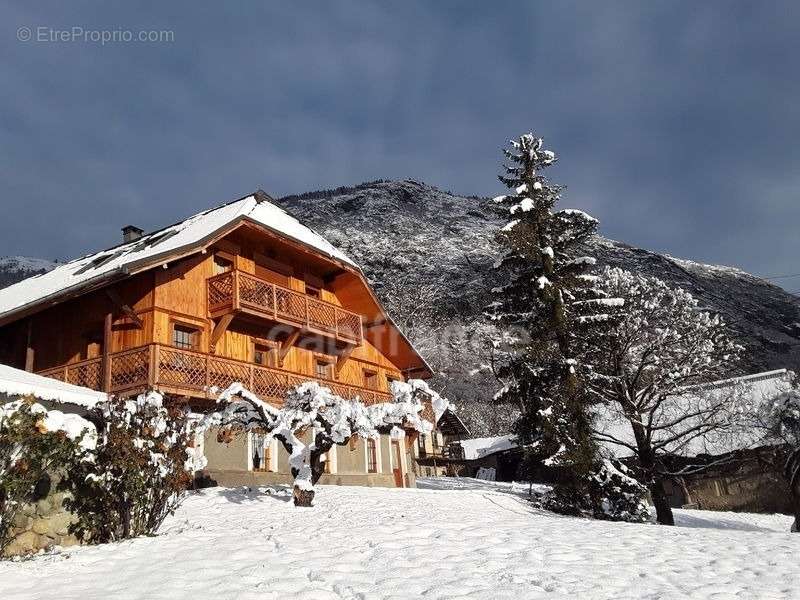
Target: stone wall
{"points": [[749, 491], [41, 525]]}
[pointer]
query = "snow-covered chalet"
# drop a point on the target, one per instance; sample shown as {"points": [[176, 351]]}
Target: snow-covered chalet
{"points": [[239, 293]]}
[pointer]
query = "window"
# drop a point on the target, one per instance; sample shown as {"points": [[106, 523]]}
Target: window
{"points": [[327, 457], [94, 343], [372, 456], [222, 264], [421, 444], [323, 369], [370, 380], [435, 439], [262, 454], [268, 457], [185, 337], [314, 285], [264, 354]]}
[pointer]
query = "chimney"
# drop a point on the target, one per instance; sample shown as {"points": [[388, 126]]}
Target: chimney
{"points": [[131, 233]]}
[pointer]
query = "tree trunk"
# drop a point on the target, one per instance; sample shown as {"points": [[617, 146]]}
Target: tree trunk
{"points": [[649, 472], [664, 514], [791, 472], [303, 497]]}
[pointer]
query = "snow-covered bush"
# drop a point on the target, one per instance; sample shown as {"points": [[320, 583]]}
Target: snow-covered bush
{"points": [[311, 409], [34, 444], [139, 472], [621, 497]]}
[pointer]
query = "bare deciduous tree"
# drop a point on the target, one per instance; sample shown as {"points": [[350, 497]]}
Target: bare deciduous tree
{"points": [[313, 410], [655, 350]]}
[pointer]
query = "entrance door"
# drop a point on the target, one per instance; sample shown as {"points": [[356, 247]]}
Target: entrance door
{"points": [[397, 470]]}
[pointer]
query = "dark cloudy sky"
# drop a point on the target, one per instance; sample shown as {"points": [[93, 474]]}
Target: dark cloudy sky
{"points": [[677, 124]]}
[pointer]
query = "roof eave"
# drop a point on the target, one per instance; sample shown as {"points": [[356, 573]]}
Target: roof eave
{"points": [[20, 312]]}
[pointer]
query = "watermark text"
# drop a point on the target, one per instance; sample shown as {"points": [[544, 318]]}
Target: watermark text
{"points": [[44, 34]]}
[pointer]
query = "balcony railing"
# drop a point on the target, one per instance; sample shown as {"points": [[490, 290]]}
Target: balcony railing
{"points": [[194, 374], [237, 291], [451, 451]]}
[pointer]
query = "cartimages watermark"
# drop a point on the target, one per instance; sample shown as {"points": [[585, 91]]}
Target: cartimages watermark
{"points": [[43, 34]]}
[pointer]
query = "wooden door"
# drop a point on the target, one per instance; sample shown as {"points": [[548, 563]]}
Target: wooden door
{"points": [[398, 469]]}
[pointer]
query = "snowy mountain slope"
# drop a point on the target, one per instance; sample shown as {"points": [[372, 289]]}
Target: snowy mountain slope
{"points": [[416, 543], [429, 254], [408, 235], [17, 268]]}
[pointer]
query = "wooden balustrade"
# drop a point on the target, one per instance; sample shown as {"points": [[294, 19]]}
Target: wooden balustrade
{"points": [[195, 374], [237, 291]]}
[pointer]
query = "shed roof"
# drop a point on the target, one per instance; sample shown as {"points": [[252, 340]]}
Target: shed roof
{"points": [[15, 382], [745, 391]]}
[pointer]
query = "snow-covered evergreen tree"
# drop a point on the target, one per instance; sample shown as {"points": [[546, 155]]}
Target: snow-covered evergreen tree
{"points": [[313, 419], [649, 358], [545, 310]]}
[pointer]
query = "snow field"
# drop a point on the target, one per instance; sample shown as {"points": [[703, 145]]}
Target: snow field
{"points": [[480, 541]]}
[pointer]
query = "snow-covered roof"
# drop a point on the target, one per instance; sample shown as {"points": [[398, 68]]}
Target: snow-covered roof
{"points": [[746, 391], [185, 237], [449, 423], [480, 447], [15, 382]]}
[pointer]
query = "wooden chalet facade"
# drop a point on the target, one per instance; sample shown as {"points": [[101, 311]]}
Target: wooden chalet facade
{"points": [[240, 293]]}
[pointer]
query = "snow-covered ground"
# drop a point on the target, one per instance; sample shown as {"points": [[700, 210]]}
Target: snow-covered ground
{"points": [[474, 541]]}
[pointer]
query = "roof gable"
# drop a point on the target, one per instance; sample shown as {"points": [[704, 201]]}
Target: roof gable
{"points": [[183, 239]]}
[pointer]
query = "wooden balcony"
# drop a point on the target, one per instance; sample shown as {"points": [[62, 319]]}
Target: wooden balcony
{"points": [[240, 292], [452, 451], [193, 374]]}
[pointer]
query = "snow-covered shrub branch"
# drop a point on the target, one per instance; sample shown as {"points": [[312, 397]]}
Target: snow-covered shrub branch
{"points": [[140, 470], [35, 443], [313, 419]]}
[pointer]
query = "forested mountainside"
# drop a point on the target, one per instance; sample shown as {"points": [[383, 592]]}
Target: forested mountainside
{"points": [[429, 254], [17, 268]]}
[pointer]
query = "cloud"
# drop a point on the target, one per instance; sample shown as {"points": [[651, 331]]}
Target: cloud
{"points": [[675, 122]]}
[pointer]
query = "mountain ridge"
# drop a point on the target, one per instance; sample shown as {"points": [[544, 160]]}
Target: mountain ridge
{"points": [[410, 235], [407, 235]]}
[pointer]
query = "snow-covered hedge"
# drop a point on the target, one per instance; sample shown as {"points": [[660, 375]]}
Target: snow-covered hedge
{"points": [[33, 443]]}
